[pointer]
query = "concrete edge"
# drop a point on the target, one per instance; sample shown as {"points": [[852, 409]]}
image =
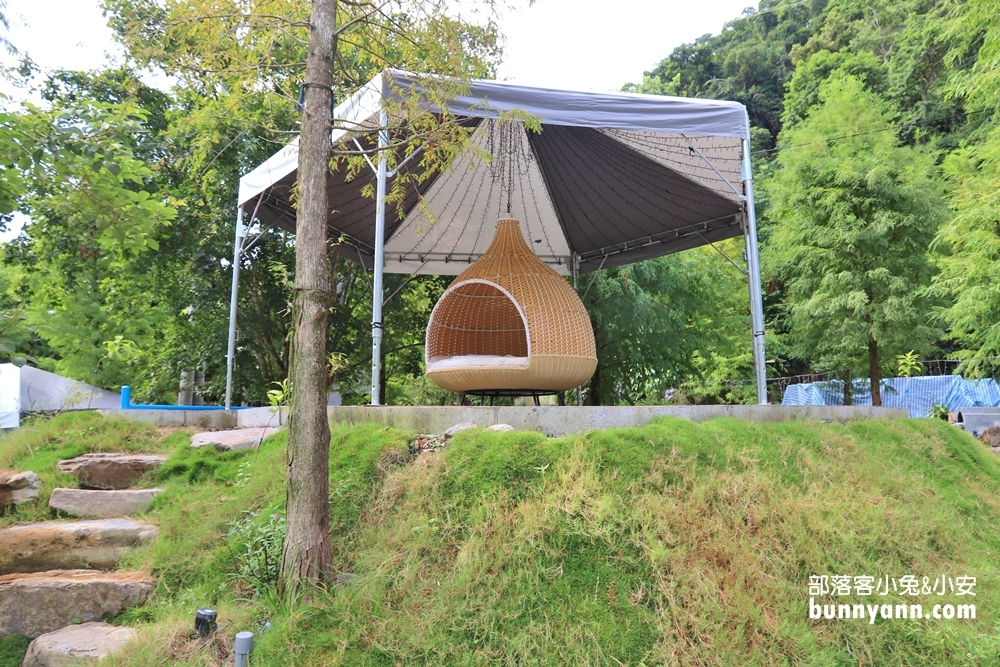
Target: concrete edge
{"points": [[207, 419], [558, 421], [551, 420]]}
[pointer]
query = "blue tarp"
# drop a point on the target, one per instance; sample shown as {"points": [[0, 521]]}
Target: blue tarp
{"points": [[916, 394]]}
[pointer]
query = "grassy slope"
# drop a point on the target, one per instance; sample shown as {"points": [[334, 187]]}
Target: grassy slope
{"points": [[676, 543]]}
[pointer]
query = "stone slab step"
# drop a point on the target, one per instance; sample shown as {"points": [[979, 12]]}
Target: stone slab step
{"points": [[233, 439], [41, 602], [96, 543], [71, 644], [86, 502], [18, 487], [104, 470]]}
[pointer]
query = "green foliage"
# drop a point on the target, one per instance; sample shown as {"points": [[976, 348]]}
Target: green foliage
{"points": [[749, 61], [975, 53], [804, 87], [971, 264], [82, 431], [857, 214], [12, 649], [656, 324], [909, 364], [77, 163], [257, 556], [280, 395], [939, 411]]}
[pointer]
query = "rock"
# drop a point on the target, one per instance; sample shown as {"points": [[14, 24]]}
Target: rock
{"points": [[71, 644], [97, 543], [18, 487], [33, 604], [501, 428], [463, 426], [991, 436], [83, 502], [101, 470], [345, 579], [427, 443], [233, 439]]}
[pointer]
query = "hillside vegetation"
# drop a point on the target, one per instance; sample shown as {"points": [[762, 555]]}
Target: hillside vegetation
{"points": [[677, 543]]}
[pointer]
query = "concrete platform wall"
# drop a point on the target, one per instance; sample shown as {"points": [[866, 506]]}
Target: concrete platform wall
{"points": [[553, 421], [203, 419], [556, 421]]}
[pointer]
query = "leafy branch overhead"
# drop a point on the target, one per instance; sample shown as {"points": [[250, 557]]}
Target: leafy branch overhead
{"points": [[77, 164]]}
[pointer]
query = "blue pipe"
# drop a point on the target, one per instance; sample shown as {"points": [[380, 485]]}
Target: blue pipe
{"points": [[126, 404]]}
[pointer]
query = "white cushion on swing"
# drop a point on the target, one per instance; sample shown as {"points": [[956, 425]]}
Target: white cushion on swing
{"points": [[475, 361]]}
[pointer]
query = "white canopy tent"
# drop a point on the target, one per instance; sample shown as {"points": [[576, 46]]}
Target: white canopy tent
{"points": [[612, 178]]}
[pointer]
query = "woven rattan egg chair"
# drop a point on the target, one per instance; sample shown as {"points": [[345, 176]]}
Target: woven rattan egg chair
{"points": [[509, 323]]}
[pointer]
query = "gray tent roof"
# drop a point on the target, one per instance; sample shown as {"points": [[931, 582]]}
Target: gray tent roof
{"points": [[612, 178]]}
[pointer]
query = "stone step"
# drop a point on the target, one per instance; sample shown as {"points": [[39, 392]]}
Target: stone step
{"points": [[233, 439], [18, 487], [35, 604], [103, 470], [86, 502], [97, 543], [71, 644]]}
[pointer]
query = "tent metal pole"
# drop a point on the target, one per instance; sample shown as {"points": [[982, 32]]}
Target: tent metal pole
{"points": [[575, 264], [753, 276], [233, 300], [383, 143]]}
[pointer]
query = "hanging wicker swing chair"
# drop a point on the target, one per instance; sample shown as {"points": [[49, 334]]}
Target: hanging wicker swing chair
{"points": [[509, 323]]}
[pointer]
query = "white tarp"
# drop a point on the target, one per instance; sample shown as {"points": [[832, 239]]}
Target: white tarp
{"points": [[620, 111], [352, 114], [29, 389], [10, 396]]}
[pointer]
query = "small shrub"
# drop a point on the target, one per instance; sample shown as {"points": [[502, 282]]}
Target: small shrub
{"points": [[257, 557], [939, 411]]}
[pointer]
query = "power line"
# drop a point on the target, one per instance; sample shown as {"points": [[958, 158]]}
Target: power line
{"points": [[883, 129]]}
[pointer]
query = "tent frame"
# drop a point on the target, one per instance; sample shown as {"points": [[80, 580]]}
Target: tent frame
{"points": [[752, 259]]}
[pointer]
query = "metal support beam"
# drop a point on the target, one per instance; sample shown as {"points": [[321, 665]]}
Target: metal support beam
{"points": [[753, 275], [233, 299], [575, 266], [383, 143], [714, 168]]}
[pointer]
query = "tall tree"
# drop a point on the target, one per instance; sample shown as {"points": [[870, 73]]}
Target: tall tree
{"points": [[971, 236], [854, 213], [306, 555], [656, 323]]}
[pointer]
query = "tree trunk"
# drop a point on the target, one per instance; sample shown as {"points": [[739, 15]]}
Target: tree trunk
{"points": [[594, 392], [306, 557], [874, 373]]}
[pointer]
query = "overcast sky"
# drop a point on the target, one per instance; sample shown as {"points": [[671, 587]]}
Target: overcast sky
{"points": [[575, 44]]}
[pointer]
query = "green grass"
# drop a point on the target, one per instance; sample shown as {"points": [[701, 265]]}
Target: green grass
{"points": [[677, 543], [12, 650]]}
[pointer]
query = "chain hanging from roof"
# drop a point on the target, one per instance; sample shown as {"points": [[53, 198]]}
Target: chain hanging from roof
{"points": [[510, 153]]}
